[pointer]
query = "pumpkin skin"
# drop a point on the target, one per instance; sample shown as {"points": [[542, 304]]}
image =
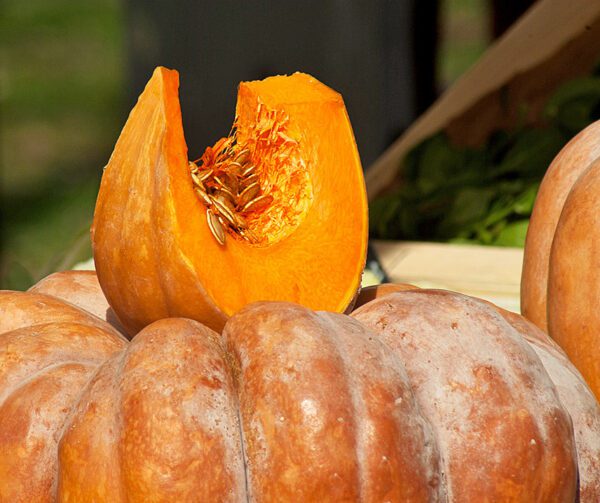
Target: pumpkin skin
{"points": [[154, 253], [562, 173], [575, 395], [82, 289], [285, 405], [373, 292], [499, 390], [574, 277], [559, 289]]}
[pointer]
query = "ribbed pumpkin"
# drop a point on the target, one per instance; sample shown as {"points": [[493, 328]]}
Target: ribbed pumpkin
{"points": [[260, 216], [418, 396], [561, 269]]}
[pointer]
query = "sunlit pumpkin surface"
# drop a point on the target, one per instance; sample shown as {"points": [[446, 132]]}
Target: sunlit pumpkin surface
{"points": [[163, 247]]}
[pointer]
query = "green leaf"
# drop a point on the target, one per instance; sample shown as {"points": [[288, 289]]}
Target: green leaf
{"points": [[470, 205], [513, 234], [16, 276]]}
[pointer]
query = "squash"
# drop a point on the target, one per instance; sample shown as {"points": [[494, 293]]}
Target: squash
{"points": [[418, 396], [563, 172], [574, 277], [559, 288], [261, 215], [82, 289], [373, 292], [457, 351]]}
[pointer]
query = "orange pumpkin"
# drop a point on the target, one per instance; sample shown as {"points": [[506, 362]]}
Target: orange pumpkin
{"points": [[564, 171], [419, 396], [262, 215], [560, 283]]}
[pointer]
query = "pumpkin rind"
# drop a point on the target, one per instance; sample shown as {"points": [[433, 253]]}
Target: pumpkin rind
{"points": [[327, 411], [575, 395], [563, 172], [502, 432], [43, 367], [82, 289], [289, 404], [574, 277], [577, 398], [157, 423]]}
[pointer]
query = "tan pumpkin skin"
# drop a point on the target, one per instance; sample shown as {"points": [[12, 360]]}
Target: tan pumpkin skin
{"points": [[44, 364], [577, 398], [331, 407], [286, 405], [500, 391], [157, 423], [376, 291], [574, 393], [82, 289], [574, 279], [564, 171]]}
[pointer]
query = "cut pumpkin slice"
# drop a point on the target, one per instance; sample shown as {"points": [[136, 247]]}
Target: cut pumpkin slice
{"points": [[275, 211]]}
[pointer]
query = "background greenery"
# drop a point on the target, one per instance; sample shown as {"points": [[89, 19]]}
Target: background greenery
{"points": [[62, 108], [64, 98]]}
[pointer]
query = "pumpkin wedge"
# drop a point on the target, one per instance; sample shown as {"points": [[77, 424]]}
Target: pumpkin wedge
{"points": [[262, 215]]}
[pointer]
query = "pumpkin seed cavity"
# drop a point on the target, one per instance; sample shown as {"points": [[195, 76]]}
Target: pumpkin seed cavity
{"points": [[254, 184]]}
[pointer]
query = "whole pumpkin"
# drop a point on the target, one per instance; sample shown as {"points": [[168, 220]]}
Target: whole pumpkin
{"points": [[561, 269], [418, 396]]}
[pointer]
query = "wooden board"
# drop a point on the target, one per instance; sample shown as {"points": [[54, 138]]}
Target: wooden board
{"points": [[489, 272]]}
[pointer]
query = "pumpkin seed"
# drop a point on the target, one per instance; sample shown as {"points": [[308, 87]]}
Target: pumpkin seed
{"points": [[258, 203], [249, 193], [227, 196], [197, 180], [243, 156], [204, 196], [248, 171], [231, 183], [250, 180], [223, 210], [204, 174], [215, 226]]}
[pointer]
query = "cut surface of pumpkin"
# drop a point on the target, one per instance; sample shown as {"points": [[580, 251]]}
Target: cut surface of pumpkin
{"points": [[263, 214]]}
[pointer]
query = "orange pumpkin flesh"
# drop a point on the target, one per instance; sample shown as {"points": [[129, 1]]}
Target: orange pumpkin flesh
{"points": [[154, 252]]}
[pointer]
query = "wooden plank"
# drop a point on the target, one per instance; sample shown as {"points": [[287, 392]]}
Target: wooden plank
{"points": [[489, 272], [543, 32]]}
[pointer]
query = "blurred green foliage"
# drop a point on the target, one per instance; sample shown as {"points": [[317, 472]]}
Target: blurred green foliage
{"points": [[483, 195], [62, 108]]}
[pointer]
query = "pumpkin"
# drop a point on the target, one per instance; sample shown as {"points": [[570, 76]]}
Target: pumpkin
{"points": [[561, 264], [418, 396], [373, 292], [262, 214], [82, 289], [563, 172]]}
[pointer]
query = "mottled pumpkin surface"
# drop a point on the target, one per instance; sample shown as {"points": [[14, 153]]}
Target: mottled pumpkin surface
{"points": [[418, 396]]}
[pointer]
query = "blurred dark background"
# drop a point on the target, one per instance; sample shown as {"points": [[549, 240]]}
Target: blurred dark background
{"points": [[71, 71]]}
